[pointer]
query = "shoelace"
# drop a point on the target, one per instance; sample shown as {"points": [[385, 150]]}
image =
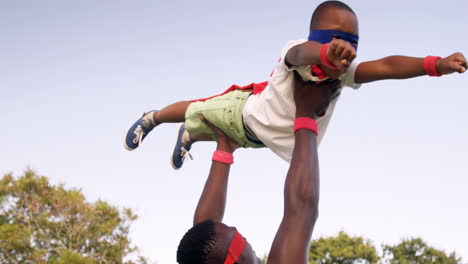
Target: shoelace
{"points": [[139, 135], [184, 153]]}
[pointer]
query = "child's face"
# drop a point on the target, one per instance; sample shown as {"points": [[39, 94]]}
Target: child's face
{"points": [[341, 20]]}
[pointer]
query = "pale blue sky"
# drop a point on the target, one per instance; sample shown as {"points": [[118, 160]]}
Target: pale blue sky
{"points": [[74, 75]]}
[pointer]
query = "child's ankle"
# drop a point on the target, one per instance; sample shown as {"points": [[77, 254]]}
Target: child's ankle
{"points": [[186, 140], [155, 119]]}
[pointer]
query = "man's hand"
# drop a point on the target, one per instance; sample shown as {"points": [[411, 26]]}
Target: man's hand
{"points": [[341, 53], [312, 100], [224, 142], [453, 63]]}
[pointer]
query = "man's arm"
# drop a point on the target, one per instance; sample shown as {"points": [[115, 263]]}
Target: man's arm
{"points": [[212, 202], [301, 195], [301, 190], [402, 67]]}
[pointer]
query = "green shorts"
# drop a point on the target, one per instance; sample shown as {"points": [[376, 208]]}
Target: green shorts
{"points": [[225, 112]]}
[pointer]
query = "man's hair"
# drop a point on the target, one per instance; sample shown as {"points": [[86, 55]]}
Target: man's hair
{"points": [[197, 244], [316, 16]]}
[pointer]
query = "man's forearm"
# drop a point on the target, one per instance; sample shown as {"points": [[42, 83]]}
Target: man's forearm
{"points": [[212, 202], [301, 193], [302, 181]]}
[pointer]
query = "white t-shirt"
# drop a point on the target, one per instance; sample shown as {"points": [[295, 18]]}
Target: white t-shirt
{"points": [[270, 114]]}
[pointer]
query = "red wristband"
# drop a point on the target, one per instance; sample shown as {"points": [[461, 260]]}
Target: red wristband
{"points": [[307, 123], [323, 57], [223, 157], [430, 67]]}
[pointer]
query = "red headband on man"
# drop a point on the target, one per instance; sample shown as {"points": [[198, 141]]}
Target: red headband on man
{"points": [[235, 249]]}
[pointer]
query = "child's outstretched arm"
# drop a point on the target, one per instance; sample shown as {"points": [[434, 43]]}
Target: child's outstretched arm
{"points": [[401, 67], [338, 52]]}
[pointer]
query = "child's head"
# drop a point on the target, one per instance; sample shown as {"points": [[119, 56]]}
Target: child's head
{"points": [[334, 15], [334, 20]]}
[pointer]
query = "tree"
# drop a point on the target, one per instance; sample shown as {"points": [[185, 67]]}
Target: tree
{"points": [[42, 223], [342, 249], [416, 251]]}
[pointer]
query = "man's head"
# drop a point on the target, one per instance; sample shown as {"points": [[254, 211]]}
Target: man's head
{"points": [[209, 242]]}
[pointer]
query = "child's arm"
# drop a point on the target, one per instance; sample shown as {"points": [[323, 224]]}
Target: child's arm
{"points": [[401, 67], [339, 53]]}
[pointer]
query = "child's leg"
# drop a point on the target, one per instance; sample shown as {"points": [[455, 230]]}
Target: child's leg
{"points": [[224, 111], [199, 137], [183, 145], [174, 113]]}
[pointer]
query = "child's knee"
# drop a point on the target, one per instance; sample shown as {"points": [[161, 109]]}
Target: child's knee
{"points": [[194, 125]]}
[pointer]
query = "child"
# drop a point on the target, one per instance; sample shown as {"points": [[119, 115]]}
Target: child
{"points": [[260, 115]]}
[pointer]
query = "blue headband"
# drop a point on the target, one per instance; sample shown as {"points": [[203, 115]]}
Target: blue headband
{"points": [[326, 36]]}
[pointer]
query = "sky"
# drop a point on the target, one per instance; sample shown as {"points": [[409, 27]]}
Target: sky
{"points": [[75, 75]]}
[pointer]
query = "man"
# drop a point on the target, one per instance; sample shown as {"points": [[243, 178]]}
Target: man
{"points": [[211, 241]]}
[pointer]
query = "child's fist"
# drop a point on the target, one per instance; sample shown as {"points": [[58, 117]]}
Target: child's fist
{"points": [[453, 63], [341, 53]]}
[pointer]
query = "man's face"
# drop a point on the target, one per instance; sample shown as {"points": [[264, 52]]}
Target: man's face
{"points": [[225, 234]]}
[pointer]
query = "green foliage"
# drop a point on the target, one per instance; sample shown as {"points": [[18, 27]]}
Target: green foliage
{"points": [[42, 223], [342, 249], [69, 257], [416, 251]]}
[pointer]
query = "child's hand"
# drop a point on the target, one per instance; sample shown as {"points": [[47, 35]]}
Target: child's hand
{"points": [[341, 53], [453, 63]]}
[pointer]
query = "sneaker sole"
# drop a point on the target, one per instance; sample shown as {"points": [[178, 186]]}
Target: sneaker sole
{"points": [[127, 147], [172, 154], [172, 164]]}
